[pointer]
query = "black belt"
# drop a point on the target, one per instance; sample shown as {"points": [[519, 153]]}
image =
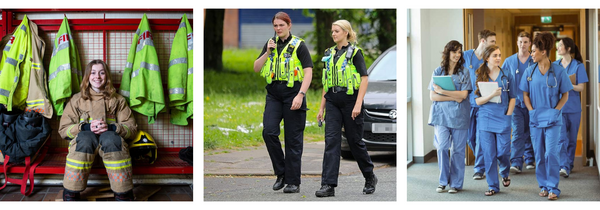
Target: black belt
{"points": [[279, 82], [336, 89]]}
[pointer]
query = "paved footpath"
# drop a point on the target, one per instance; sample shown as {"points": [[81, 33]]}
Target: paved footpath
{"points": [[255, 161]]}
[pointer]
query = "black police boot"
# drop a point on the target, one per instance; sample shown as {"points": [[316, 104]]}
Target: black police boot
{"points": [[279, 183], [325, 191], [126, 196], [370, 183], [291, 188], [69, 195]]}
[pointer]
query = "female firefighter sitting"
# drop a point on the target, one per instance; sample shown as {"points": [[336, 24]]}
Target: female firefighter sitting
{"points": [[97, 120]]}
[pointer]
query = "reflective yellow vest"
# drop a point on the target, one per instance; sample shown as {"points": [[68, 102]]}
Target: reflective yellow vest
{"points": [[64, 76], [181, 74], [285, 65], [342, 73], [141, 84], [14, 68]]}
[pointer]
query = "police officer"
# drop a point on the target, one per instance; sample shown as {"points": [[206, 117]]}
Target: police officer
{"points": [[345, 82], [286, 64]]}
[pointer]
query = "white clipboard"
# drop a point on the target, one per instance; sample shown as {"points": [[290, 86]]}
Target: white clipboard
{"points": [[486, 88]]}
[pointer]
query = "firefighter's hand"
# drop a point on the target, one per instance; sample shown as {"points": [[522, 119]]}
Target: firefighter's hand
{"points": [[297, 103], [98, 126]]}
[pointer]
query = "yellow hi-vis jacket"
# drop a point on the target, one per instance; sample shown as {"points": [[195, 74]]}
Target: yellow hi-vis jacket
{"points": [[141, 83], [14, 68], [343, 73], [64, 75], [181, 74]]}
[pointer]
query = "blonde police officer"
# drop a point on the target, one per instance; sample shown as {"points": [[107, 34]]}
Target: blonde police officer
{"points": [[345, 82]]}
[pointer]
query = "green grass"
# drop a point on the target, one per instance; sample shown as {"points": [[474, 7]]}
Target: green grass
{"points": [[234, 102]]}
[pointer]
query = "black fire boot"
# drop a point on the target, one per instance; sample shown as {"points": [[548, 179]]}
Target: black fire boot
{"points": [[126, 196], [69, 195]]}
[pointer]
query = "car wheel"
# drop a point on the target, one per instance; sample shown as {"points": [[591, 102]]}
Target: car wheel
{"points": [[347, 155]]}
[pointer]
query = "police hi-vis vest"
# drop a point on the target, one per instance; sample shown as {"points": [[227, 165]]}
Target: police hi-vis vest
{"points": [[284, 65], [342, 73]]}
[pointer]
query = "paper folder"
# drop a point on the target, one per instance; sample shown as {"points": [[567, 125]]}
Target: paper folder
{"points": [[445, 82]]}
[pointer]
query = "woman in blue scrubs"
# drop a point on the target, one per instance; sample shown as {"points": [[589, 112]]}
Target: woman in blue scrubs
{"points": [[493, 119], [545, 87], [449, 115], [571, 60]]}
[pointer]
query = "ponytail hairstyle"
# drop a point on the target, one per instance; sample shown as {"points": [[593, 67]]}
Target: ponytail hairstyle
{"points": [[445, 64], [483, 70], [574, 51], [347, 27], [544, 41]]}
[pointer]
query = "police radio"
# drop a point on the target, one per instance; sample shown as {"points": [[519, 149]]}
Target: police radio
{"points": [[274, 40]]}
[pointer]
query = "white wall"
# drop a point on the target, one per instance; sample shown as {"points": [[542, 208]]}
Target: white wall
{"points": [[431, 30]]}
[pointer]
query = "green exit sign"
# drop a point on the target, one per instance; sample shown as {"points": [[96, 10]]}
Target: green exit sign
{"points": [[546, 19]]}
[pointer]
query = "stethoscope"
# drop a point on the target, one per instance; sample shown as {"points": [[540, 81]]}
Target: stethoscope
{"points": [[529, 60], [463, 79], [568, 66], [471, 60], [550, 71], [504, 80]]}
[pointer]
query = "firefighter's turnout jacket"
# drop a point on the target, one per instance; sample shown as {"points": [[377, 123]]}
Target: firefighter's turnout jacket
{"points": [[85, 144]]}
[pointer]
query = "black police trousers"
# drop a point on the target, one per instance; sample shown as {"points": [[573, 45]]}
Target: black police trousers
{"points": [[277, 107], [338, 112]]}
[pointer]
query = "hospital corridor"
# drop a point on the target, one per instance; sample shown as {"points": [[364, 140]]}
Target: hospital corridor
{"points": [[503, 105]]}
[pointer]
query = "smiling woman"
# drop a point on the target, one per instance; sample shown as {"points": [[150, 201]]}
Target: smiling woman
{"points": [[96, 121]]}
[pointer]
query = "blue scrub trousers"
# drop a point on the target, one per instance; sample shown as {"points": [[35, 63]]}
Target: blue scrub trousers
{"points": [[495, 148], [473, 142], [452, 168], [568, 139], [521, 140], [547, 156]]}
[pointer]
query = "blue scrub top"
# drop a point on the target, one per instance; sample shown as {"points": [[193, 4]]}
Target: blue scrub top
{"points": [[492, 116], [450, 113], [573, 105], [513, 65], [472, 60], [544, 98]]}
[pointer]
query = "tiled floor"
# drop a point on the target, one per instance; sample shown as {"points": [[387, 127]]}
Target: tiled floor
{"points": [[49, 193]]}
